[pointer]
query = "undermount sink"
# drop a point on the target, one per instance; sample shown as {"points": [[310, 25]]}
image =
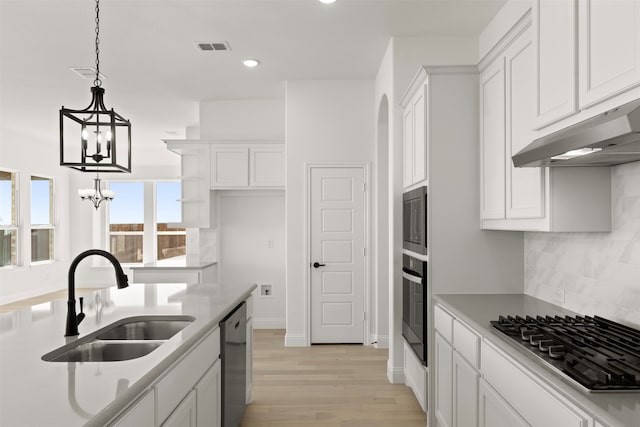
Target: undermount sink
{"points": [[125, 339], [145, 330], [101, 351]]}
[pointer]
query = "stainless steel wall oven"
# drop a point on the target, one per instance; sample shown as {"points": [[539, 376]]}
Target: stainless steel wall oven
{"points": [[414, 305]]}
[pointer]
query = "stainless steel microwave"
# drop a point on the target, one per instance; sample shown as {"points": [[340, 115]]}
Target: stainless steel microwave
{"points": [[414, 220]]}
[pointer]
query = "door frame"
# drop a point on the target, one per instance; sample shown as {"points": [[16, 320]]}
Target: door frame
{"points": [[366, 337]]}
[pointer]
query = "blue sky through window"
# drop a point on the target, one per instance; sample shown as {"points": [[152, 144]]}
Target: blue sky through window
{"points": [[128, 205], [167, 204], [40, 202], [5, 202]]}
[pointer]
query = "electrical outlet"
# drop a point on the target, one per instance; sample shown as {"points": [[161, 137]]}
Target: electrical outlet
{"points": [[265, 290]]}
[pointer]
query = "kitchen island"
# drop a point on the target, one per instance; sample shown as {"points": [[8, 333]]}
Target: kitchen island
{"points": [[510, 383], [34, 392]]}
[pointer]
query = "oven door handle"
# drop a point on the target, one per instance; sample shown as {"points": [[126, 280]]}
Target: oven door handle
{"points": [[412, 278]]}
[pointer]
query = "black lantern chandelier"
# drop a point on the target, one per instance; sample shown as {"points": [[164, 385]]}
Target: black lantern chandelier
{"points": [[91, 138]]}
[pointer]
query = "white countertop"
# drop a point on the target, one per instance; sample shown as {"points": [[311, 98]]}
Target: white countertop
{"points": [[618, 409], [38, 393], [181, 263]]}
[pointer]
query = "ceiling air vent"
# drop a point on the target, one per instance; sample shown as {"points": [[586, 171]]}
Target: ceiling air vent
{"points": [[87, 73], [211, 46]]}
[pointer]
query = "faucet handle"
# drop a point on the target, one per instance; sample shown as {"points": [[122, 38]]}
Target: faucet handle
{"points": [[81, 315]]}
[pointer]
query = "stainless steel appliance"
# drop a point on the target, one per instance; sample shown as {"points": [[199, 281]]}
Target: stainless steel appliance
{"points": [[233, 354], [595, 353], [414, 220], [414, 305], [610, 138]]}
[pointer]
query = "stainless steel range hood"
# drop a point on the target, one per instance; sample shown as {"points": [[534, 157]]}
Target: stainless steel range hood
{"points": [[608, 139]]}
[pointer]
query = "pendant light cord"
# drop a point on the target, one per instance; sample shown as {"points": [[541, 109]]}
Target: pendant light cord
{"points": [[97, 81]]}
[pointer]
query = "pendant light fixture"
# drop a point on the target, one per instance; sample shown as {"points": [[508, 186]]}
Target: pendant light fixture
{"points": [[91, 138], [96, 195]]}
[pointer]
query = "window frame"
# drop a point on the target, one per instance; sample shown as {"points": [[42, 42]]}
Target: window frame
{"points": [[156, 232], [142, 233], [52, 218], [15, 225]]}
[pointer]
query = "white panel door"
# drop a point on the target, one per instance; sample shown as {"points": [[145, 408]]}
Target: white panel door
{"points": [[209, 397], [465, 393], [419, 105], [141, 414], [407, 146], [444, 382], [555, 51], [524, 198], [609, 43], [337, 255], [185, 414], [492, 149], [495, 412]]}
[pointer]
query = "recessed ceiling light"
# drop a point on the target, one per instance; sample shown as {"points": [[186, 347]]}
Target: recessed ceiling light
{"points": [[327, 1], [250, 63]]}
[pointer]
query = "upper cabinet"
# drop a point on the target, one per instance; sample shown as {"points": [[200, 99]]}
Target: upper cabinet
{"points": [[586, 52], [531, 199], [242, 166], [414, 141], [555, 60]]}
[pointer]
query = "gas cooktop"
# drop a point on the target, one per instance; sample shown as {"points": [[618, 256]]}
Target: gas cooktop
{"points": [[597, 353]]}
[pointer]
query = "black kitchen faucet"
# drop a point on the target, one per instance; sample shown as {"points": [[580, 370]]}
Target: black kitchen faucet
{"points": [[73, 319]]}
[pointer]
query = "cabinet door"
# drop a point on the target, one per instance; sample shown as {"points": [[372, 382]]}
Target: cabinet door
{"points": [[419, 160], [492, 141], [495, 412], [524, 186], [209, 397], [465, 393], [609, 48], [407, 146], [443, 381], [229, 167], [266, 167], [185, 414], [554, 53], [140, 414], [249, 393]]}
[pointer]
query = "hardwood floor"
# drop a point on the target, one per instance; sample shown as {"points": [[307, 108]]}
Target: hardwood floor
{"points": [[325, 385]]}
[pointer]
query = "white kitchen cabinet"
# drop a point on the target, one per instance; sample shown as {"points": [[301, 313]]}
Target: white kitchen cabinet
{"points": [[229, 167], [142, 413], [208, 392], [443, 381], [415, 375], [494, 411], [414, 135], [249, 391], [266, 167], [555, 60], [609, 48], [185, 414], [241, 166], [529, 199], [465, 392]]}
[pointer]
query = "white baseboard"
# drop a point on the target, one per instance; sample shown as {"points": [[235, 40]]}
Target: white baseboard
{"points": [[269, 323], [395, 374], [295, 340]]}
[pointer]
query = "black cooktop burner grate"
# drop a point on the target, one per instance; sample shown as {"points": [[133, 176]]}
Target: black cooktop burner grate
{"points": [[598, 353]]}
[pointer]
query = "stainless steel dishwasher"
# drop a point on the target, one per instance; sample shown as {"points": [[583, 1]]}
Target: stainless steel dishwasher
{"points": [[233, 352]]}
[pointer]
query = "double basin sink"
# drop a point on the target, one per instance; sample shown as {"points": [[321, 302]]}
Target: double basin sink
{"points": [[124, 339]]}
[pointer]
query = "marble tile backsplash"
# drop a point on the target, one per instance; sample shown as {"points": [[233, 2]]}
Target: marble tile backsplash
{"points": [[593, 273]]}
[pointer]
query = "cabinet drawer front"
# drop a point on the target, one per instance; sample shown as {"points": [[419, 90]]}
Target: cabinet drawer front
{"points": [[467, 343], [538, 405], [181, 378], [443, 322]]}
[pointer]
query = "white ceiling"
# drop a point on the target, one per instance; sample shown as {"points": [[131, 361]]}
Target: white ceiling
{"points": [[155, 74]]}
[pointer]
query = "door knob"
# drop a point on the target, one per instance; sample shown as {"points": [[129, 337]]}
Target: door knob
{"points": [[317, 264]]}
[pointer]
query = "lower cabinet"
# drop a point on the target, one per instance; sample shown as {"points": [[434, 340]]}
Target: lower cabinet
{"points": [[248, 394], [185, 414], [465, 393], [443, 381], [495, 412], [208, 393], [139, 414]]}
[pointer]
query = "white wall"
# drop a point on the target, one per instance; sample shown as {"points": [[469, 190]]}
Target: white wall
{"points": [[398, 67], [593, 273], [242, 119], [327, 121], [252, 249], [22, 154]]}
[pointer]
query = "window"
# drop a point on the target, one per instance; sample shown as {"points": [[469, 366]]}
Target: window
{"points": [[126, 222], [170, 241], [8, 219], [41, 219]]}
